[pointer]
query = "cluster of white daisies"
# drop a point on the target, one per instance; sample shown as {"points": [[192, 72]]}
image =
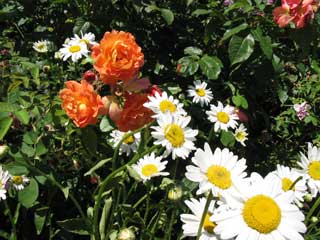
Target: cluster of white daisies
{"points": [[7, 180], [239, 207], [75, 48]]}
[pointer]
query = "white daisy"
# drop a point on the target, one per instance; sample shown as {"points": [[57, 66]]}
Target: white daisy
{"points": [[173, 134], [150, 166], [19, 182], [241, 134], [219, 172], [200, 93], [288, 176], [222, 117], [130, 144], [87, 38], [163, 103], [4, 177], [41, 46], [75, 50], [263, 212], [192, 221], [311, 168]]}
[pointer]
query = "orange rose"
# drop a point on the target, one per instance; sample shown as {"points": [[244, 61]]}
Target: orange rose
{"points": [[134, 115], [117, 57], [81, 103]]}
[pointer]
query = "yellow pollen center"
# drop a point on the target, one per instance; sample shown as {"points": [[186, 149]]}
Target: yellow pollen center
{"points": [[223, 117], [208, 225], [219, 176], [149, 169], [286, 184], [166, 105], [41, 46], [261, 213], [240, 136], [129, 140], [174, 134], [18, 180], [74, 48], [201, 92], [314, 170]]}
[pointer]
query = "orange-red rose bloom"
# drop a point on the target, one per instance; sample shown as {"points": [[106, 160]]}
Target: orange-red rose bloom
{"points": [[134, 115], [81, 103], [117, 57]]}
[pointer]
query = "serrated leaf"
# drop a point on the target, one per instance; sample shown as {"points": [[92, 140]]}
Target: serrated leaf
{"points": [[229, 33], [5, 124], [210, 66], [29, 194], [167, 15], [240, 49]]}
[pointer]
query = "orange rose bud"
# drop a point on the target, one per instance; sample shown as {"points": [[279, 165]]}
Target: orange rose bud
{"points": [[81, 103], [117, 57], [134, 115]]}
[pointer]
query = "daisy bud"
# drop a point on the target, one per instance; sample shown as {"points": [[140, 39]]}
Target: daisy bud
{"points": [[126, 234], [3, 150], [314, 219], [175, 193], [308, 197], [89, 76], [46, 68]]}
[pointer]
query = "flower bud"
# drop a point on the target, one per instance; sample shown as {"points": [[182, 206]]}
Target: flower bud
{"points": [[175, 193], [126, 234], [308, 197], [4, 149], [152, 90], [241, 115], [89, 76], [46, 68], [314, 219]]}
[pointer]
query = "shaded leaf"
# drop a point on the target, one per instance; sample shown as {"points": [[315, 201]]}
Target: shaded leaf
{"points": [[229, 33], [29, 194], [210, 66], [240, 49], [5, 124]]}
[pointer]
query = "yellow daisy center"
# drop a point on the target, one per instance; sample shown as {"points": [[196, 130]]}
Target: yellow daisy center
{"points": [[41, 46], [223, 117], [174, 134], [286, 184], [240, 136], [314, 170], [219, 176], [166, 105], [201, 92], [149, 169], [129, 140], [262, 213], [18, 180], [208, 225], [74, 48]]}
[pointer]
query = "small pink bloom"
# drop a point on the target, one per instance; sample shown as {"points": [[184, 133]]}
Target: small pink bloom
{"points": [[302, 110]]}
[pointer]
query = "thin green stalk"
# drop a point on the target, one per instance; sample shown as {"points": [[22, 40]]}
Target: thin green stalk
{"points": [[11, 220], [211, 134], [295, 182], [173, 214], [147, 208], [314, 207], [140, 201], [105, 183], [205, 210]]}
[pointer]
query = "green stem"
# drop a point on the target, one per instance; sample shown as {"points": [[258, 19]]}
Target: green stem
{"points": [[295, 182], [314, 207], [205, 210], [11, 220], [105, 183], [140, 201], [173, 213], [211, 134]]}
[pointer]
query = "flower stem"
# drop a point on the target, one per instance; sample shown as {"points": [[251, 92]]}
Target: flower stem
{"points": [[314, 207], [205, 210], [11, 220]]}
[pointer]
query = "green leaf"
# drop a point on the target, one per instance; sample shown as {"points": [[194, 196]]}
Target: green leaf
{"points": [[227, 139], [265, 42], [133, 174], [105, 125], [29, 194], [5, 124], [40, 218], [41, 149], [210, 66], [167, 15], [104, 217], [240, 101], [89, 139], [75, 225], [97, 166], [240, 49], [189, 65], [35, 74], [23, 116], [8, 107], [15, 169], [27, 149], [229, 33], [192, 51], [199, 12]]}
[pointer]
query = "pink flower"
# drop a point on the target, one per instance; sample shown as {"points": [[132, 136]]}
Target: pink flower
{"points": [[302, 110]]}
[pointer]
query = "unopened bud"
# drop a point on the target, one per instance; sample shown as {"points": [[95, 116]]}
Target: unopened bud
{"points": [[89, 76], [46, 68], [314, 219], [126, 234], [175, 193], [152, 90], [308, 197], [4, 149]]}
